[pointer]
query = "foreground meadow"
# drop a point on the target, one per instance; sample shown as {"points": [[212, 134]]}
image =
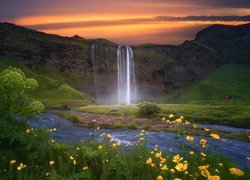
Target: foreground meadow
{"points": [[28, 153]]}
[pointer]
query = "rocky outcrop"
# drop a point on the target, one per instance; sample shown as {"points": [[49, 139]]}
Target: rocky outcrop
{"points": [[159, 68]]}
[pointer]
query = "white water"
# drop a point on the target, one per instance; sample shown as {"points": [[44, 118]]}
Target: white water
{"points": [[125, 75]]}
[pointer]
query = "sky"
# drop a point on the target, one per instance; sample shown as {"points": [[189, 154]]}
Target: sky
{"points": [[129, 22]]}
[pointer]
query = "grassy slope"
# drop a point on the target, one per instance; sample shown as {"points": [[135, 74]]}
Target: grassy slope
{"points": [[229, 79], [50, 90]]}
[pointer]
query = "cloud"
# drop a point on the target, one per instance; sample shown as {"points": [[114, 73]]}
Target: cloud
{"points": [[132, 21]]}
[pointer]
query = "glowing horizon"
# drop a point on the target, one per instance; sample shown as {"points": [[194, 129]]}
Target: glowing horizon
{"points": [[127, 22]]}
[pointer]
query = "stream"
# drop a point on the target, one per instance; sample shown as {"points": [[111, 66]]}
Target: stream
{"points": [[236, 151]]}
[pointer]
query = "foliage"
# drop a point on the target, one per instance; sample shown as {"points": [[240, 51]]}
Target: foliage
{"points": [[13, 94], [148, 109]]}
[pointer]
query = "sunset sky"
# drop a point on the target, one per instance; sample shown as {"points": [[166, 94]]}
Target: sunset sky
{"points": [[125, 21]]}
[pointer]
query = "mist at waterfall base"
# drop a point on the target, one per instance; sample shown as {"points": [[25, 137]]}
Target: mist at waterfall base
{"points": [[113, 74]]}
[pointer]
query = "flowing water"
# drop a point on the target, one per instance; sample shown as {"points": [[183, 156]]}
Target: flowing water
{"points": [[125, 75], [235, 150]]}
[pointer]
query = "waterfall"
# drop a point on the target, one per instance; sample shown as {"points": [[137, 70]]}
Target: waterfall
{"points": [[126, 75], [93, 49]]}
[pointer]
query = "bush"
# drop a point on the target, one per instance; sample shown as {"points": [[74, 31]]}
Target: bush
{"points": [[148, 109]]}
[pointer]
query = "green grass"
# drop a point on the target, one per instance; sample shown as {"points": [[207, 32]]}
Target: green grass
{"points": [[229, 79], [233, 115], [50, 91]]}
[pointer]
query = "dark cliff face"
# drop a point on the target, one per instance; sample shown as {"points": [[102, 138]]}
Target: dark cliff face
{"points": [[159, 68]]}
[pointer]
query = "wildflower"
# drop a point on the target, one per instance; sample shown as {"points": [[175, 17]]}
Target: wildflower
{"points": [[191, 152], [214, 177], [181, 166], [204, 171], [248, 158], [159, 177], [47, 174], [163, 160], [163, 119], [74, 162], [179, 120], [149, 161], [236, 171], [103, 134], [71, 157], [100, 147], [28, 131], [182, 117], [190, 138], [21, 166], [118, 143], [97, 128], [12, 161], [216, 170], [54, 129], [187, 122], [194, 126], [172, 171], [52, 140], [203, 154], [114, 145], [171, 116], [158, 155], [201, 168], [203, 143], [164, 168], [77, 148], [85, 168], [51, 163], [109, 136], [177, 179], [215, 136], [111, 140], [141, 139], [153, 165], [220, 164], [177, 158], [206, 129]]}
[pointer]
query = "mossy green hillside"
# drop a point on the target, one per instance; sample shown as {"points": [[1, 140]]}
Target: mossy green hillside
{"points": [[50, 90]]}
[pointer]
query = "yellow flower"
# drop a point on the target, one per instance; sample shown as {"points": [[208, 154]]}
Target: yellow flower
{"points": [[206, 129], [220, 164], [54, 129], [201, 168], [47, 174], [118, 143], [100, 147], [163, 160], [191, 152], [103, 134], [215, 136], [177, 179], [149, 161], [111, 140], [164, 168], [71, 157], [109, 136], [216, 170], [179, 120], [181, 166], [190, 138], [171, 116], [77, 148], [74, 162], [153, 165], [85, 168], [236, 171], [203, 143], [163, 119], [172, 171], [203, 154], [182, 117], [194, 126], [52, 140], [158, 155], [214, 177], [177, 158], [21, 166], [51, 163], [28, 131], [187, 122], [205, 173], [159, 177], [12, 161]]}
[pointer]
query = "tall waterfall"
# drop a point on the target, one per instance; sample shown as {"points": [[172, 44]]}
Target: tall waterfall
{"points": [[126, 75]]}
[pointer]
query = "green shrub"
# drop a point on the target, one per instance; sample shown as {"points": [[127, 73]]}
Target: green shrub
{"points": [[148, 109]]}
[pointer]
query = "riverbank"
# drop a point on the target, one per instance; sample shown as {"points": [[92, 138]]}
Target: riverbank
{"points": [[157, 125]]}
